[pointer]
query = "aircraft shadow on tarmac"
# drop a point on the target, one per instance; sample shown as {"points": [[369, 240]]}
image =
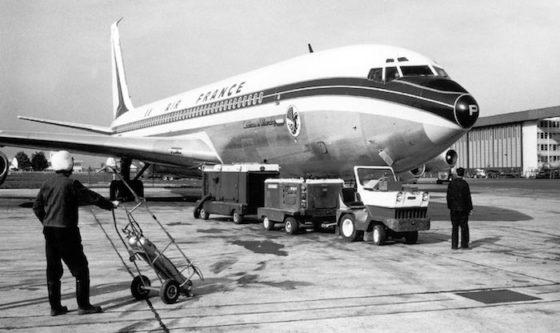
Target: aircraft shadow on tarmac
{"points": [[439, 212]]}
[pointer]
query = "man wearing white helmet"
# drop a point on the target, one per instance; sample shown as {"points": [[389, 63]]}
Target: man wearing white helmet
{"points": [[56, 206]]}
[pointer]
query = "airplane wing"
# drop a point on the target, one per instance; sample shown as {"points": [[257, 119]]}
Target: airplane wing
{"points": [[84, 127], [187, 151]]}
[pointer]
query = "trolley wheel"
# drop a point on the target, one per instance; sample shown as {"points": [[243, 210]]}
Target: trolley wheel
{"points": [[169, 292], [196, 213], [411, 237], [237, 218], [267, 223], [348, 228], [379, 234], [137, 287], [291, 225], [204, 214]]}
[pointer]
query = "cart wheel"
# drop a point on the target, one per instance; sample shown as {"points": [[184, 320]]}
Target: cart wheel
{"points": [[291, 225], [204, 214], [267, 223], [379, 234], [348, 228], [169, 291], [137, 287], [411, 237], [196, 213], [237, 218]]}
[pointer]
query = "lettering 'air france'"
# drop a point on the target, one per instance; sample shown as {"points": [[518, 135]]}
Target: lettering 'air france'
{"points": [[209, 96]]}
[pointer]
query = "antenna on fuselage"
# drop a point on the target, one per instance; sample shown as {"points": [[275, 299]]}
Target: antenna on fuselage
{"points": [[310, 48]]}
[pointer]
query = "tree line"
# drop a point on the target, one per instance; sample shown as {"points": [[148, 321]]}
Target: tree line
{"points": [[38, 161]]}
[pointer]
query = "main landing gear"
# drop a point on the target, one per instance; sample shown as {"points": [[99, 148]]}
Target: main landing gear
{"points": [[118, 189]]}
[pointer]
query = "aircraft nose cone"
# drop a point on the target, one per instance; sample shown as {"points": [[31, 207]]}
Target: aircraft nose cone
{"points": [[466, 111]]}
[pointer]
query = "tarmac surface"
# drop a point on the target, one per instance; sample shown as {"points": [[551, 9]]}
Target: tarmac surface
{"points": [[267, 281]]}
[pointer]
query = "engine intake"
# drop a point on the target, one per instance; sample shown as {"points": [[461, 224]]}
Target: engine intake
{"points": [[442, 162], [4, 166]]}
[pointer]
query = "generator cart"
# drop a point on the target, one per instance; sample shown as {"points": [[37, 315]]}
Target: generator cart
{"points": [[300, 203], [381, 205], [235, 190], [175, 280]]}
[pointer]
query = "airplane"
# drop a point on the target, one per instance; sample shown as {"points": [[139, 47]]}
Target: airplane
{"points": [[318, 114]]}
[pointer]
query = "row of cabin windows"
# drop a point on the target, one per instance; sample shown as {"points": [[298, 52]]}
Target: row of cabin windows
{"points": [[195, 112]]}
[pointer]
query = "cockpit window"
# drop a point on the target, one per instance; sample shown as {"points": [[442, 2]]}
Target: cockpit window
{"points": [[391, 73], [416, 70], [376, 74], [441, 72]]}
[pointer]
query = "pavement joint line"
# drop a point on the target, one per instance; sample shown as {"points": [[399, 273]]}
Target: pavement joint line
{"points": [[356, 315], [361, 315], [453, 291]]}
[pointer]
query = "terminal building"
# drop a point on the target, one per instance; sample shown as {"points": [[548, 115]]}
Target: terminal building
{"points": [[520, 142]]}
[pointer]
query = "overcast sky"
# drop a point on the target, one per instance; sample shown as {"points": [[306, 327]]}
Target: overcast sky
{"points": [[55, 55]]}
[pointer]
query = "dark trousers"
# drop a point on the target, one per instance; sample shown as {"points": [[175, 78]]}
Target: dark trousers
{"points": [[459, 219], [65, 244]]}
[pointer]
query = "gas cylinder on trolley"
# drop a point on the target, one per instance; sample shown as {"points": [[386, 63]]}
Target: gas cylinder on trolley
{"points": [[150, 253]]}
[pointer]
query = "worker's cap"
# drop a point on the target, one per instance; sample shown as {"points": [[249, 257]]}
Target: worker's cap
{"points": [[460, 171], [62, 161]]}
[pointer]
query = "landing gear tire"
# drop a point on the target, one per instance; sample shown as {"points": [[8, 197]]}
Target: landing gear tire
{"points": [[196, 213], [379, 234], [237, 218], [411, 237], [348, 229], [137, 287], [267, 223], [170, 291], [291, 225]]}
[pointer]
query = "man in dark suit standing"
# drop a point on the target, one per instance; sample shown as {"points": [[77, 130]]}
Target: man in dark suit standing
{"points": [[460, 204]]}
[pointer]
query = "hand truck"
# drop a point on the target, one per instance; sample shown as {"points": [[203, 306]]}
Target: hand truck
{"points": [[174, 280]]}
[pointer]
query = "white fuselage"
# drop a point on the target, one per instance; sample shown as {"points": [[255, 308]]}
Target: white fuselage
{"points": [[318, 114]]}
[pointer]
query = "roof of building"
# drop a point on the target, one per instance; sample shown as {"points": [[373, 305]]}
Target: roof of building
{"points": [[520, 116]]}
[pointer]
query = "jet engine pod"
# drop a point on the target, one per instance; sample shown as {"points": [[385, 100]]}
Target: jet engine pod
{"points": [[442, 162], [414, 173], [4, 166]]}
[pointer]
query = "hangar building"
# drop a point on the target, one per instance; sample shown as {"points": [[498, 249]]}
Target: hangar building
{"points": [[519, 142]]}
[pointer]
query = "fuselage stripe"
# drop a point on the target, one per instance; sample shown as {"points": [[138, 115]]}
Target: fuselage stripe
{"points": [[325, 87]]}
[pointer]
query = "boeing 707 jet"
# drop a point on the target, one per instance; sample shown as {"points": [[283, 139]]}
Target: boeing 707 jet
{"points": [[317, 114]]}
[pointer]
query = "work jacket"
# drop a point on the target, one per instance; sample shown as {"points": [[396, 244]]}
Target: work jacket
{"points": [[59, 198], [459, 195]]}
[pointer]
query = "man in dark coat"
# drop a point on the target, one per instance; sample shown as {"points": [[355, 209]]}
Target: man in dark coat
{"points": [[56, 206], [459, 203]]}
